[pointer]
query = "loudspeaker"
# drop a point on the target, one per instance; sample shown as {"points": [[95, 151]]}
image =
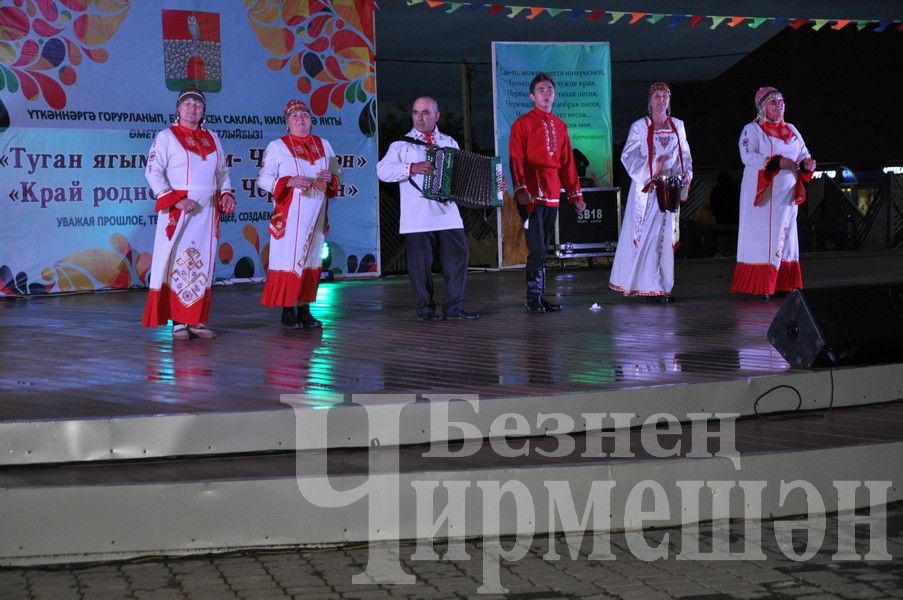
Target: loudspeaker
{"points": [[859, 324], [592, 232]]}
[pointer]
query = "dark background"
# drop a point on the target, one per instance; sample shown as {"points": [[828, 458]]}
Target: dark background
{"points": [[841, 87]]}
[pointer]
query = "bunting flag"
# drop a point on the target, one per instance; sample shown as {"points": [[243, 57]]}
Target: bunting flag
{"points": [[670, 19]]}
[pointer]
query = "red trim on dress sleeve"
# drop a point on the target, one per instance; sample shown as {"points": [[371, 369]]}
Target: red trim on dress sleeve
{"points": [[281, 192], [332, 188], [766, 176], [282, 196], [168, 203], [174, 215], [169, 199], [799, 190]]}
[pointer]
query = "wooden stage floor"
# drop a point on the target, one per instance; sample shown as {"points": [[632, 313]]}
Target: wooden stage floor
{"points": [[86, 356], [117, 441]]}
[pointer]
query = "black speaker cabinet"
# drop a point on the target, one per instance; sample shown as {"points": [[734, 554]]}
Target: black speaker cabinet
{"points": [[592, 232], [858, 324]]}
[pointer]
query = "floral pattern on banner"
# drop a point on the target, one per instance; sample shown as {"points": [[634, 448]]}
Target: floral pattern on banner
{"points": [[327, 45], [244, 267], [94, 268], [97, 268], [42, 43]]}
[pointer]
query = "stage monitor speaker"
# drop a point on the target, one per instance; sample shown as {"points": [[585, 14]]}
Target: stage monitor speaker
{"points": [[858, 324]]}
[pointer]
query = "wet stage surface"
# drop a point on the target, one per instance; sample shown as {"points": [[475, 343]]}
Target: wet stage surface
{"points": [[86, 355]]}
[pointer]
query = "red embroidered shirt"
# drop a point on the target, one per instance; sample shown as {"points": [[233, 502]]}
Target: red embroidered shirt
{"points": [[541, 158]]}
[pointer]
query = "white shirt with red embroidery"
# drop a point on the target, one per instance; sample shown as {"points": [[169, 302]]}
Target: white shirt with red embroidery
{"points": [[418, 214]]}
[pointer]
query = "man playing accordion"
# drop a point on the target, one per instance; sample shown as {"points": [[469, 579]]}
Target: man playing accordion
{"points": [[428, 224]]}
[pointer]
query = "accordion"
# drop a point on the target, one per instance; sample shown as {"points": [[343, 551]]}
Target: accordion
{"points": [[466, 178]]}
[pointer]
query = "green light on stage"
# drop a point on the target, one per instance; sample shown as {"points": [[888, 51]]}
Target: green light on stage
{"points": [[326, 262]]}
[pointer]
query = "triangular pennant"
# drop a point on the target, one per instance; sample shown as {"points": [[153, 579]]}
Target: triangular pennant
{"points": [[673, 19], [716, 21]]}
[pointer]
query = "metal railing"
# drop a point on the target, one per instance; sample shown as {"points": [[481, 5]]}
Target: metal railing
{"points": [[837, 224]]}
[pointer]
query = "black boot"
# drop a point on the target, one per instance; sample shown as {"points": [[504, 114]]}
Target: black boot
{"points": [[534, 293], [551, 306], [307, 320], [289, 318], [541, 281]]}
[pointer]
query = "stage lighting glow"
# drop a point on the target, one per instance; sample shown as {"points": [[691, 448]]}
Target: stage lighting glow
{"points": [[847, 175], [326, 262]]}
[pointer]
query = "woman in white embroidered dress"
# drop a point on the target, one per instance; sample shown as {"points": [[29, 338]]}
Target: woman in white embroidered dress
{"points": [[186, 170], [777, 165], [296, 170], [656, 147]]}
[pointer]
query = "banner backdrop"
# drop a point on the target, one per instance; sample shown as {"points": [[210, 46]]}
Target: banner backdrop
{"points": [[582, 74], [85, 86]]}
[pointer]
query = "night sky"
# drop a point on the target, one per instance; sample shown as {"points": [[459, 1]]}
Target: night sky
{"points": [[836, 83]]}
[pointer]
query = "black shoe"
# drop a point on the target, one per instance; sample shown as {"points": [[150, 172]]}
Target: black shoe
{"points": [[462, 316], [534, 305], [550, 306], [307, 320], [290, 319], [660, 299], [430, 316], [764, 297]]}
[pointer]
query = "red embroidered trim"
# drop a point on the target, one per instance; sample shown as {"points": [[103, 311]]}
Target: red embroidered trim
{"points": [[198, 141]]}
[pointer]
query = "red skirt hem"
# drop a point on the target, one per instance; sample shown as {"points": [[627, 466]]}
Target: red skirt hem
{"points": [[638, 293], [754, 279], [163, 305], [790, 277], [285, 288]]}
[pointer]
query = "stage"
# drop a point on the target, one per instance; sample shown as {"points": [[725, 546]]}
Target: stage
{"points": [[111, 418]]}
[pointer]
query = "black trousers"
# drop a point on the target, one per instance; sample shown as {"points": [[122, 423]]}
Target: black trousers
{"points": [[541, 227], [454, 256]]}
